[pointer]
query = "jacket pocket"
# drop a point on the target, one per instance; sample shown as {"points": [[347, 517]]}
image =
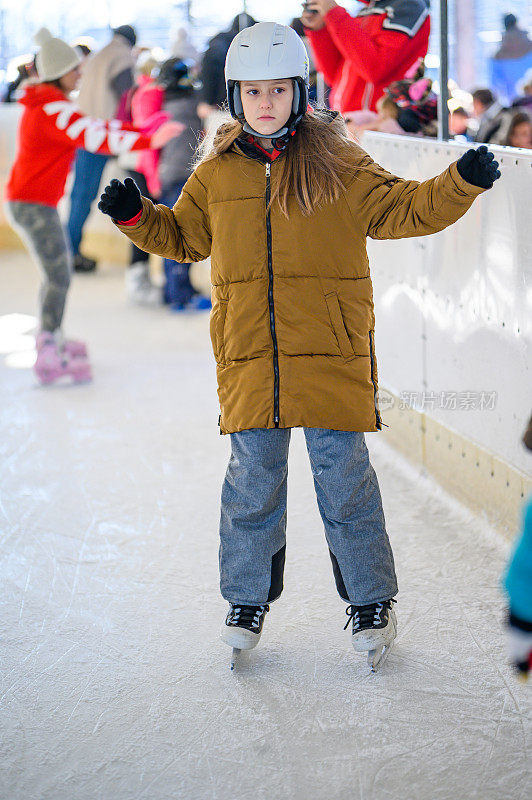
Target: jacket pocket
{"points": [[338, 325], [217, 326]]}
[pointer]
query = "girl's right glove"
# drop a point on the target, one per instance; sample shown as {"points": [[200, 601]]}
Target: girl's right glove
{"points": [[121, 200], [478, 167]]}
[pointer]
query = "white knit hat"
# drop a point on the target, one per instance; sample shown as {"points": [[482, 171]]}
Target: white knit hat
{"points": [[55, 58]]}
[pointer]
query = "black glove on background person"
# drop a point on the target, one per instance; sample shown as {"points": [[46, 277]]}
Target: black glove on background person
{"points": [[479, 168], [121, 200]]}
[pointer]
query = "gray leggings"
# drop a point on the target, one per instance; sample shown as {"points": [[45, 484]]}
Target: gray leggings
{"points": [[41, 230]]}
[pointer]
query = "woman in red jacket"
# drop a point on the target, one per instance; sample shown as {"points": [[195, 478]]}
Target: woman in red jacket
{"points": [[51, 128], [359, 56]]}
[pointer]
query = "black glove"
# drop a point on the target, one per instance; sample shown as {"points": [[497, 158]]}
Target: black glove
{"points": [[121, 200], [479, 168]]}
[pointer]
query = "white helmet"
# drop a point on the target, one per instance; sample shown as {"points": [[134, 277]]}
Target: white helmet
{"points": [[267, 51]]}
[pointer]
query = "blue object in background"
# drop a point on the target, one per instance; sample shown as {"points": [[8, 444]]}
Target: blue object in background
{"points": [[505, 74], [518, 577]]}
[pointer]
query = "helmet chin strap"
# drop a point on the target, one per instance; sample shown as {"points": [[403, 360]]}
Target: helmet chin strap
{"points": [[277, 134]]}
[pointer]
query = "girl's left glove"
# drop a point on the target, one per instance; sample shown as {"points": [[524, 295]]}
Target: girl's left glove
{"points": [[479, 167]]}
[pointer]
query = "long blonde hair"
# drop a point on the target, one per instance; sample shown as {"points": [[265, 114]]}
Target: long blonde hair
{"points": [[311, 169]]}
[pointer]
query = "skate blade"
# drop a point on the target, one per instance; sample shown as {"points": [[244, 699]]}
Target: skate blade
{"points": [[234, 657], [377, 657]]}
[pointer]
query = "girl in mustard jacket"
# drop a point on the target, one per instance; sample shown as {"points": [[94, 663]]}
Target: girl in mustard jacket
{"points": [[283, 203]]}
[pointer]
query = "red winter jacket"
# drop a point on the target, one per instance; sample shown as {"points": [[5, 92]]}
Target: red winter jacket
{"points": [[359, 56], [50, 131]]}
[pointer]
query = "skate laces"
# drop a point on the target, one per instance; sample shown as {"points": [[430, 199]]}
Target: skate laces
{"points": [[366, 616], [246, 616]]}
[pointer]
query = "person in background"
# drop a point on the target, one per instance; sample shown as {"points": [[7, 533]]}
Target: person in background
{"points": [[511, 61], [145, 103], [182, 47], [359, 56], [408, 106], [520, 131], [83, 50], [27, 73], [490, 118], [524, 100], [212, 95], [50, 130], [105, 76], [459, 123], [175, 167], [384, 120], [417, 106], [301, 31], [517, 583]]}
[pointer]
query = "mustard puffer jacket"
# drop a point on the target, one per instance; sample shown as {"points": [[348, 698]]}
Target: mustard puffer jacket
{"points": [[292, 322]]}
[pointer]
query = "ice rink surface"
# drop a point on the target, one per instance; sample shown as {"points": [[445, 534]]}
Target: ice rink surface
{"points": [[114, 685]]}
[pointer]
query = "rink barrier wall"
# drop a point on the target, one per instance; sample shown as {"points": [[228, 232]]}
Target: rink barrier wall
{"points": [[489, 486], [454, 317]]}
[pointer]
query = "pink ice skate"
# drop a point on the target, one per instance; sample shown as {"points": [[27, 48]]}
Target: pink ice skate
{"points": [[54, 362], [74, 348]]}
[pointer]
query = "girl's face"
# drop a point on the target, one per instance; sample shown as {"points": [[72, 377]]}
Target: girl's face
{"points": [[267, 104], [522, 135], [69, 81]]}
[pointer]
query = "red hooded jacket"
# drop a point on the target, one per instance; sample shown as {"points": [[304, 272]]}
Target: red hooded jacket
{"points": [[359, 56], [50, 131]]}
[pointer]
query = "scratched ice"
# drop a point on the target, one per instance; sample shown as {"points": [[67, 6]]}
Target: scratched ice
{"points": [[113, 682]]}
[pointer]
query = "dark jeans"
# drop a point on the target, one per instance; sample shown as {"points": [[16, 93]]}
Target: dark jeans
{"points": [[89, 169], [178, 290]]}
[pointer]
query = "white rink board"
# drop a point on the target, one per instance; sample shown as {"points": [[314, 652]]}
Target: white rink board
{"points": [[454, 310]]}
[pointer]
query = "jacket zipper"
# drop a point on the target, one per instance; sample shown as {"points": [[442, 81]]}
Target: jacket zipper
{"points": [[270, 302], [377, 415]]}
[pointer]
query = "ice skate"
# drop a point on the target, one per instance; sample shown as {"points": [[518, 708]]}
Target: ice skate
{"points": [[139, 288], [196, 303], [53, 362], [242, 629], [72, 347], [83, 263], [374, 629]]}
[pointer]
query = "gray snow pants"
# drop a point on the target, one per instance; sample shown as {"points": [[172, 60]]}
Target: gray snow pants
{"points": [[41, 230], [253, 516]]}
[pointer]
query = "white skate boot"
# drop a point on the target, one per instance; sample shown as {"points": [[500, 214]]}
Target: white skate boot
{"points": [[139, 288], [243, 628], [374, 629]]}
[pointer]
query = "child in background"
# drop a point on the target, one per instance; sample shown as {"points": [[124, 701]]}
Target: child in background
{"points": [[50, 130], [175, 166], [520, 131], [384, 120], [141, 105], [283, 203], [518, 584]]}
